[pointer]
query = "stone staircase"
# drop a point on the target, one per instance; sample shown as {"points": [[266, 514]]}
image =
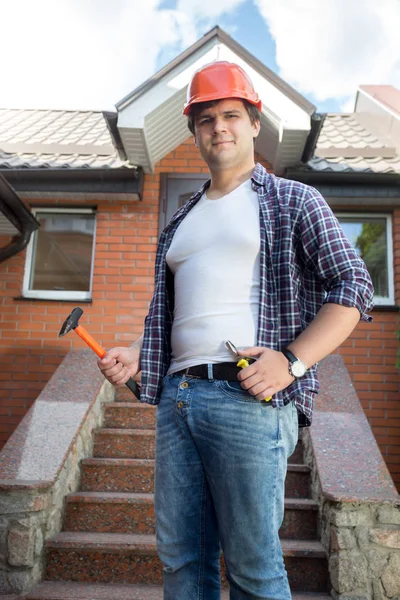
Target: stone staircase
{"points": [[107, 547]]}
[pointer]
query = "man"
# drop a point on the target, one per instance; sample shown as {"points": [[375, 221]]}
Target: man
{"points": [[261, 261]]}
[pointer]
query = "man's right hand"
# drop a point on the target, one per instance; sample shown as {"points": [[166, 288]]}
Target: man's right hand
{"points": [[119, 364]]}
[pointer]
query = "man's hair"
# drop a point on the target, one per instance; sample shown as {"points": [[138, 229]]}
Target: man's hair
{"points": [[195, 109]]}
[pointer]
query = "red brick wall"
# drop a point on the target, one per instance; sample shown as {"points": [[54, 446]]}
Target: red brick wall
{"points": [[370, 357], [370, 354], [122, 286]]}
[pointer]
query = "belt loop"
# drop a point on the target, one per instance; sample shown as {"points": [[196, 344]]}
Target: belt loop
{"points": [[210, 374]]}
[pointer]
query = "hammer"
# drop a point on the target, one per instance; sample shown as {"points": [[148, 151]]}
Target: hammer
{"points": [[71, 322]]}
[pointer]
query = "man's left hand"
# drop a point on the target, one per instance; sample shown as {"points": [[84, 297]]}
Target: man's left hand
{"points": [[266, 376]]}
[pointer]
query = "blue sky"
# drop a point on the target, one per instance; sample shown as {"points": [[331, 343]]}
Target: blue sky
{"points": [[80, 54]]}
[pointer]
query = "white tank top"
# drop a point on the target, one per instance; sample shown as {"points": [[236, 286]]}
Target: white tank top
{"points": [[215, 259]]}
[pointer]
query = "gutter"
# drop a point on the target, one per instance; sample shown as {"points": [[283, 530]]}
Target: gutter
{"points": [[104, 181], [344, 177]]}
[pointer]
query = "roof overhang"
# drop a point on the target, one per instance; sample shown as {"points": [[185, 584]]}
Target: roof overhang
{"points": [[151, 123]]}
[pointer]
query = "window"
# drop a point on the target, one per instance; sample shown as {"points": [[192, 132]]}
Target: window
{"points": [[371, 235], [59, 261]]}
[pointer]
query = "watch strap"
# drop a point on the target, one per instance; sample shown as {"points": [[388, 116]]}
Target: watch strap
{"points": [[289, 355]]}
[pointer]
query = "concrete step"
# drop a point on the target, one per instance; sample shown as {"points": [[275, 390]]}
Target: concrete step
{"points": [[124, 443], [108, 512], [135, 415], [137, 475], [129, 415], [124, 394], [127, 558], [69, 590]]}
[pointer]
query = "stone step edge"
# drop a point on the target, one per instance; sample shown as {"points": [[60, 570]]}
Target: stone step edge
{"points": [[124, 431], [146, 543], [293, 467], [131, 404], [68, 590], [146, 498]]}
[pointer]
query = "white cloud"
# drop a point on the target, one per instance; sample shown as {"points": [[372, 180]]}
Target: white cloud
{"points": [[84, 54], [328, 48], [207, 9]]}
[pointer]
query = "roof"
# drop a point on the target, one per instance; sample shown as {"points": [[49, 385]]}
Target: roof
{"points": [[353, 165], [346, 145], [56, 139]]}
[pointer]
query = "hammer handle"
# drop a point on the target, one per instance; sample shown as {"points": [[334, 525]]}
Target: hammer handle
{"points": [[91, 342]]}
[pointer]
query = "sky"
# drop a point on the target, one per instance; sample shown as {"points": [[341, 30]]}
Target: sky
{"points": [[89, 54]]}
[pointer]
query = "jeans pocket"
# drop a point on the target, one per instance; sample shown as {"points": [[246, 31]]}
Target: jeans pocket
{"points": [[234, 390]]}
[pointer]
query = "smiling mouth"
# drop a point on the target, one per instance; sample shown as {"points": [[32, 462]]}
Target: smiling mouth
{"points": [[222, 143]]}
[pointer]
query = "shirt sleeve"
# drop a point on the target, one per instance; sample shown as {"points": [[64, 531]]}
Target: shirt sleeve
{"points": [[330, 255]]}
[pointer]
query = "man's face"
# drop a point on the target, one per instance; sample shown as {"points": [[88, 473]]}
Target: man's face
{"points": [[224, 134]]}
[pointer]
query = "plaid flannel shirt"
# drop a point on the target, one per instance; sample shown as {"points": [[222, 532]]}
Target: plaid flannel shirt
{"points": [[305, 261]]}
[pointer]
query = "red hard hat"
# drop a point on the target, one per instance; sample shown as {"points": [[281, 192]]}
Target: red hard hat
{"points": [[219, 80]]}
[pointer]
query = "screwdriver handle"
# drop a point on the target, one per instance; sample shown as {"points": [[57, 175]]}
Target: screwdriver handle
{"points": [[243, 363]]}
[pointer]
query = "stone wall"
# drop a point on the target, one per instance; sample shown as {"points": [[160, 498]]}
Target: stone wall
{"points": [[32, 511], [364, 549], [361, 538]]}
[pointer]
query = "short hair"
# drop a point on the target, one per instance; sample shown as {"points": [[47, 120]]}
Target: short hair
{"points": [[196, 108]]}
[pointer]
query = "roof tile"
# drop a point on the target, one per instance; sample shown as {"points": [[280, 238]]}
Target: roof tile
{"points": [[341, 132], [56, 139]]}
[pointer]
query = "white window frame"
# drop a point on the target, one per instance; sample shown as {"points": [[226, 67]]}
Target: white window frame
{"points": [[53, 294], [379, 300]]}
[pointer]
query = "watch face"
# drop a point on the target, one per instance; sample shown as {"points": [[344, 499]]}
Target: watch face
{"points": [[298, 368]]}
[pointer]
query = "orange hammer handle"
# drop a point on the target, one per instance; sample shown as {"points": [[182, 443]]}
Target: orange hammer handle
{"points": [[90, 341]]}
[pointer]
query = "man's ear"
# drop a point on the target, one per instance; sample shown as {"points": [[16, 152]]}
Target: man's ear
{"points": [[257, 127], [195, 141]]}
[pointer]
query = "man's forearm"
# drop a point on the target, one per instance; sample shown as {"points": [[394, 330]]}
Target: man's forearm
{"points": [[138, 343], [331, 326]]}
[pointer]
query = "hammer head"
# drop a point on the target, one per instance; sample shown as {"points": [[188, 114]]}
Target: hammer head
{"points": [[71, 321]]}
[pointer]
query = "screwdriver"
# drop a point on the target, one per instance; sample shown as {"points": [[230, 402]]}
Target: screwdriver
{"points": [[244, 361]]}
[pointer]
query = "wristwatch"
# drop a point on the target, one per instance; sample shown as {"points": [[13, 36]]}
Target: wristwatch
{"points": [[296, 367]]}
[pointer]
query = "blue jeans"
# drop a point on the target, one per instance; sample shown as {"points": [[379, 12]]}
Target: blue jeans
{"points": [[220, 468]]}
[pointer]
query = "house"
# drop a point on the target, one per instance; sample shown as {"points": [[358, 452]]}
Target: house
{"points": [[102, 185]]}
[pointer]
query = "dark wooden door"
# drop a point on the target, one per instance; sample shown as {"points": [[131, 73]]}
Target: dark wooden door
{"points": [[176, 189]]}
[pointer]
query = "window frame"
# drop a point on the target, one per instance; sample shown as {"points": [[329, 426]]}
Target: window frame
{"points": [[379, 300], [53, 294]]}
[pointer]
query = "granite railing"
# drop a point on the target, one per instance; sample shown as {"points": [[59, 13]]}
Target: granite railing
{"points": [[359, 507], [39, 466]]}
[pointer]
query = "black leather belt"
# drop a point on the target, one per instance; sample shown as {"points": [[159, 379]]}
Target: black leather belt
{"points": [[226, 370]]}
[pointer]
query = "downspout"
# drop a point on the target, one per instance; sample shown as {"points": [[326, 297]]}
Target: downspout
{"points": [[317, 121], [16, 245], [15, 211]]}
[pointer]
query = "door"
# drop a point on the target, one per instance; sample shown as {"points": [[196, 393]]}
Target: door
{"points": [[176, 189]]}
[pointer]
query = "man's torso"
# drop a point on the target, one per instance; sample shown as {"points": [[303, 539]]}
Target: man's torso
{"points": [[214, 257]]}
